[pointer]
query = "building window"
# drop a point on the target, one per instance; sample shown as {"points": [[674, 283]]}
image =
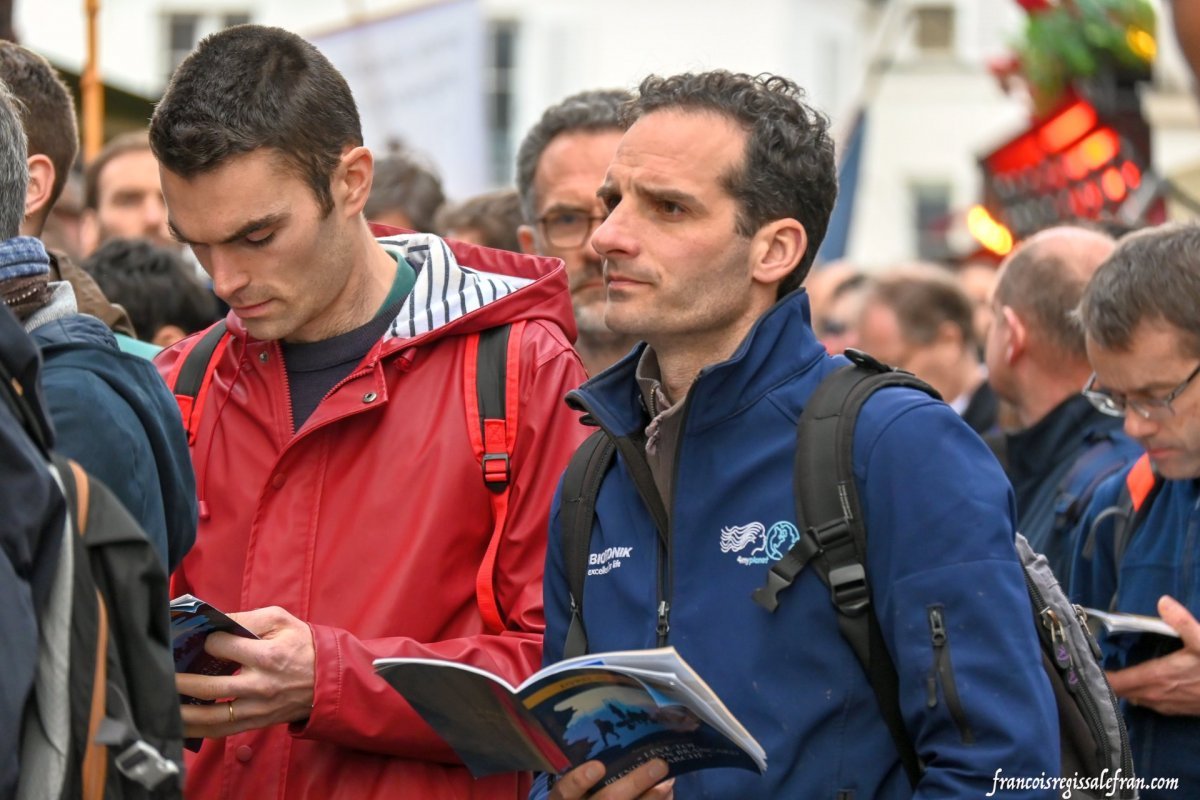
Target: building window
{"points": [[931, 220], [184, 31], [501, 72], [935, 28]]}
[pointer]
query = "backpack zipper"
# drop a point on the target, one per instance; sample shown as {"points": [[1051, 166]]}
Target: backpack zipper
{"points": [[943, 672], [1126, 751], [1061, 656]]}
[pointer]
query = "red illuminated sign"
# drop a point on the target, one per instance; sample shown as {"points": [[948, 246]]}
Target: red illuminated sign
{"points": [[1071, 165]]}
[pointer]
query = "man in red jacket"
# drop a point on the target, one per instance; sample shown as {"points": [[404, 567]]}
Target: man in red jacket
{"points": [[343, 509]]}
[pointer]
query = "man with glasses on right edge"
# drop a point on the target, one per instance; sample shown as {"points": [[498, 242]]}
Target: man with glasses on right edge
{"points": [[1141, 317]]}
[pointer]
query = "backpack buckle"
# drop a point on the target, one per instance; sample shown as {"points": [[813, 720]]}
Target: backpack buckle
{"points": [[768, 596], [848, 585], [832, 534], [144, 765], [497, 471]]}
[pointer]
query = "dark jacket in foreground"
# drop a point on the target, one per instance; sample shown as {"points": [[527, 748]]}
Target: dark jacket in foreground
{"points": [[31, 524]]}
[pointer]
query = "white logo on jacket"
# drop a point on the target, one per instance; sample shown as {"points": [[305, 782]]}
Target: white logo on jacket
{"points": [[771, 543], [607, 560]]}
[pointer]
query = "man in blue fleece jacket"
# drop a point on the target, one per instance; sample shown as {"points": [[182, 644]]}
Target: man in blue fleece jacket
{"points": [[1143, 340], [717, 200]]}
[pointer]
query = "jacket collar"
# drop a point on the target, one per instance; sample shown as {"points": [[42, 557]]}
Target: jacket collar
{"points": [[1064, 430], [466, 288], [779, 346], [61, 306]]}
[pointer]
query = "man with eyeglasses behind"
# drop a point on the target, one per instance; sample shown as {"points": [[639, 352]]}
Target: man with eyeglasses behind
{"points": [[1142, 325], [560, 165]]}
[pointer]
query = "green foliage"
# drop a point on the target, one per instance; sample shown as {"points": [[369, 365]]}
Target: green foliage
{"points": [[1072, 40]]}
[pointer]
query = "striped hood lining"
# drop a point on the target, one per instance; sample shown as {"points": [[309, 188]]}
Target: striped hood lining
{"points": [[444, 290]]}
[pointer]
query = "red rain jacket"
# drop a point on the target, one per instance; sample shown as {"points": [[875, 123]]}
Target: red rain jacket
{"points": [[370, 523]]}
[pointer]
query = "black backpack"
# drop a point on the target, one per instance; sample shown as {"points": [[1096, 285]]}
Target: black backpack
{"points": [[833, 543], [104, 718]]}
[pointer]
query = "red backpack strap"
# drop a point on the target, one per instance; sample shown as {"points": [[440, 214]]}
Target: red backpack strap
{"points": [[1140, 481], [192, 377], [491, 397]]}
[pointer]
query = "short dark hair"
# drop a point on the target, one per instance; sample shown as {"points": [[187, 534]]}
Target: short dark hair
{"points": [[119, 145], [496, 215], [250, 87], [154, 284], [789, 169], [46, 108], [1041, 282], [924, 297], [1152, 276], [402, 183], [593, 111]]}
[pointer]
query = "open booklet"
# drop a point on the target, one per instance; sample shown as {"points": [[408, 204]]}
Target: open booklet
{"points": [[622, 708], [1119, 622]]}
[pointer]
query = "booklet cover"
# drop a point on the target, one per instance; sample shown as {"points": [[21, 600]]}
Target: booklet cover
{"points": [[622, 708], [1119, 622]]}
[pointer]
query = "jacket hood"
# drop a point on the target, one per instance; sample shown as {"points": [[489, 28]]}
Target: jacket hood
{"points": [[779, 345], [82, 342], [463, 288], [60, 323]]}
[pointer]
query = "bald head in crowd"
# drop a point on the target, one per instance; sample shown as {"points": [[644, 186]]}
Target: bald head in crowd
{"points": [[1035, 348]]}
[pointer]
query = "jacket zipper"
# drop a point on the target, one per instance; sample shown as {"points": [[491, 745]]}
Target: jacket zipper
{"points": [[667, 574], [287, 388], [943, 672]]}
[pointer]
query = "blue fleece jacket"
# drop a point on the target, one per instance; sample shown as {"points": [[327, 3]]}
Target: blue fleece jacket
{"points": [[1161, 557], [116, 417], [940, 518]]}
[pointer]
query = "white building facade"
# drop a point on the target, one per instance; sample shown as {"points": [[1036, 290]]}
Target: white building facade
{"points": [[462, 80]]}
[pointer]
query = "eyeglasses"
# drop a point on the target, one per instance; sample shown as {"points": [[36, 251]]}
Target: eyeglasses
{"points": [[568, 228], [1153, 408]]}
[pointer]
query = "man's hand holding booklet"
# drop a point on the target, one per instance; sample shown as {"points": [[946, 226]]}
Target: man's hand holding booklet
{"points": [[192, 620], [622, 709]]}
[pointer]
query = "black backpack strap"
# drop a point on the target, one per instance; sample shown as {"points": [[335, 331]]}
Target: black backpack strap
{"points": [[581, 487], [834, 536], [193, 376], [195, 364]]}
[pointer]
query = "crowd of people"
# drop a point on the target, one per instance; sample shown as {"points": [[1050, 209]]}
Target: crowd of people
{"points": [[339, 481]]}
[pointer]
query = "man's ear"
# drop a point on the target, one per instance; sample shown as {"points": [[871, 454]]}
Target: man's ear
{"points": [[41, 185], [352, 180], [527, 240], [1017, 335], [776, 249]]}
